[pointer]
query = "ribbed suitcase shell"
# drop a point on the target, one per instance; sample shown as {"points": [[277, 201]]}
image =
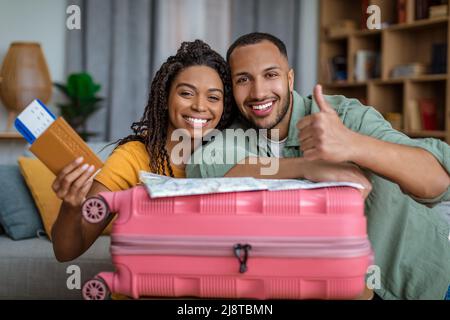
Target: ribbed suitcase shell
{"points": [[328, 213]]}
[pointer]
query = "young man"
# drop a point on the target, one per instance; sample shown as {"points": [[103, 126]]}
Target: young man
{"points": [[313, 137]]}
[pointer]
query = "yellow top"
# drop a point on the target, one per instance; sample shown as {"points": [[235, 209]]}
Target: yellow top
{"points": [[121, 169]]}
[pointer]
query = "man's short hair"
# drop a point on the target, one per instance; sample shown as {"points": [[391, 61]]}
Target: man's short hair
{"points": [[254, 38]]}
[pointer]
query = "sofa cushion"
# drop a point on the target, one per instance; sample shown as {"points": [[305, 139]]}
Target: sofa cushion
{"points": [[18, 214], [29, 270], [39, 180]]}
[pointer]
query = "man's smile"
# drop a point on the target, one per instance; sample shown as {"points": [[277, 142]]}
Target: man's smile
{"points": [[262, 109]]}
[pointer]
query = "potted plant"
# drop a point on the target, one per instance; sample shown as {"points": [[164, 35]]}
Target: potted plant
{"points": [[80, 91]]}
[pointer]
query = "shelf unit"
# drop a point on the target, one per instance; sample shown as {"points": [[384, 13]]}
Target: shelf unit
{"points": [[397, 44]]}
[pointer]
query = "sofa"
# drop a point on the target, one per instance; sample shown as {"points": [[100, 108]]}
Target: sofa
{"points": [[28, 267], [29, 270]]}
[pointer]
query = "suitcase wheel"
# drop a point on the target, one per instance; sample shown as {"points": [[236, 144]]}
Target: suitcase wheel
{"points": [[94, 210], [95, 289]]}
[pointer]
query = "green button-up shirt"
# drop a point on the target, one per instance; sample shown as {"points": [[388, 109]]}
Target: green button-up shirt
{"points": [[410, 239]]}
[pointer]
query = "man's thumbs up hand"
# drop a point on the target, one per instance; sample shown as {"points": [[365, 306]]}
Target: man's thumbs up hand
{"points": [[320, 100], [323, 136]]}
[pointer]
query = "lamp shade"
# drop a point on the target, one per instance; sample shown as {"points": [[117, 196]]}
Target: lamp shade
{"points": [[25, 77]]}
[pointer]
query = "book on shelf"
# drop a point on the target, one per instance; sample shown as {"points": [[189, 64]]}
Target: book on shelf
{"points": [[413, 118], [422, 9], [402, 11], [364, 15], [406, 11], [423, 114], [395, 119], [337, 69], [438, 11], [367, 65], [439, 58], [410, 11], [409, 70], [428, 113]]}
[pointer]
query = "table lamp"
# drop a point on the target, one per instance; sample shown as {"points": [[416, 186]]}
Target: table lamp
{"points": [[24, 76]]}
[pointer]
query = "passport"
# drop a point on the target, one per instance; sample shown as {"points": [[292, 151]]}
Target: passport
{"points": [[52, 139]]}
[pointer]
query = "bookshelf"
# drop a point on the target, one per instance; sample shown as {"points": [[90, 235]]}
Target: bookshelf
{"points": [[397, 44]]}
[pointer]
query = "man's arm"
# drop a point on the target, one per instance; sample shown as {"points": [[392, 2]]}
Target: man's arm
{"points": [[323, 136], [299, 168], [287, 168], [211, 162], [415, 170]]}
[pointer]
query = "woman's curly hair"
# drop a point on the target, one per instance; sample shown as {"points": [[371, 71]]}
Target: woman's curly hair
{"points": [[152, 128]]}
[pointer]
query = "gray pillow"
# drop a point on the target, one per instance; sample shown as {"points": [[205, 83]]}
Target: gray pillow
{"points": [[19, 216]]}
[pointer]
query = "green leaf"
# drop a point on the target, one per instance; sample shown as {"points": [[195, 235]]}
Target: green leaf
{"points": [[81, 86], [81, 90], [62, 87]]}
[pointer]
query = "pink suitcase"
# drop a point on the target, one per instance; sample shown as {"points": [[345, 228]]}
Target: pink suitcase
{"points": [[300, 244]]}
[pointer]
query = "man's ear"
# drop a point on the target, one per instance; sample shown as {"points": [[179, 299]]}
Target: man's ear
{"points": [[291, 79]]}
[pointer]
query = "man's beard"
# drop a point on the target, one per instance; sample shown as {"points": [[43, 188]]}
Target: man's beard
{"points": [[279, 118]]}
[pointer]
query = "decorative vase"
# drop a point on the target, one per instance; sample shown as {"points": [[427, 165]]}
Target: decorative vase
{"points": [[24, 77]]}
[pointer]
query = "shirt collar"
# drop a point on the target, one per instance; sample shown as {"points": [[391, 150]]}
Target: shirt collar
{"points": [[299, 110]]}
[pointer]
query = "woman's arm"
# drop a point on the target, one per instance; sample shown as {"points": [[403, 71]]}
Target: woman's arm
{"points": [[71, 234]]}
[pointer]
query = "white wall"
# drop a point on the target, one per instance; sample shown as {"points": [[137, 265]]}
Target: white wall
{"points": [[42, 21]]}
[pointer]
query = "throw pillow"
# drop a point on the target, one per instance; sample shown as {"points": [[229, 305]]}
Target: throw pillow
{"points": [[39, 180], [18, 214]]}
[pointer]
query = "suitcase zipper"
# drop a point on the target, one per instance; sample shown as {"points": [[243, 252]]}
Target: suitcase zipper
{"points": [[260, 247], [240, 248]]}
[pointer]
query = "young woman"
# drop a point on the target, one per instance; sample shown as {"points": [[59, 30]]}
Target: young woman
{"points": [[191, 91]]}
